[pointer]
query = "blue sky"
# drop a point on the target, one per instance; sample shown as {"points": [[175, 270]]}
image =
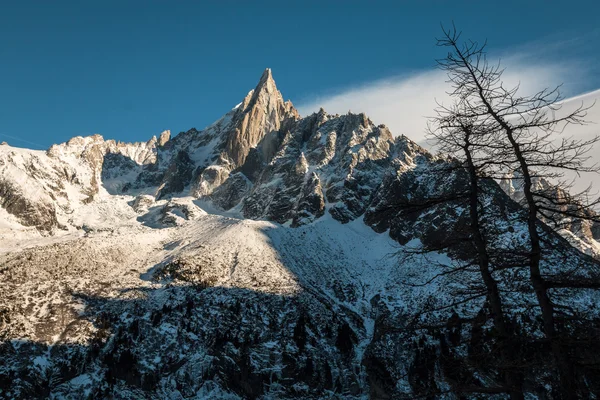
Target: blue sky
{"points": [[130, 69]]}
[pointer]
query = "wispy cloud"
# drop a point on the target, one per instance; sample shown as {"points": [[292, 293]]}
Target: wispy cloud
{"points": [[12, 138], [404, 103]]}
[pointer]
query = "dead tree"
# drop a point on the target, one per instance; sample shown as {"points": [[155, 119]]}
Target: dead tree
{"points": [[524, 131], [457, 134]]}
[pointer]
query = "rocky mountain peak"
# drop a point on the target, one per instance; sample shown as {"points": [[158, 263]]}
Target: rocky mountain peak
{"points": [[266, 81], [262, 112], [164, 137]]}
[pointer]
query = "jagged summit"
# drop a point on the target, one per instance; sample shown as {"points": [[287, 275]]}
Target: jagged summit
{"points": [[266, 80], [262, 112], [261, 159], [164, 137], [248, 160]]}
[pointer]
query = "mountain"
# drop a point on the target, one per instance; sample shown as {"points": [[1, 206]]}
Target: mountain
{"points": [[583, 232], [267, 256]]}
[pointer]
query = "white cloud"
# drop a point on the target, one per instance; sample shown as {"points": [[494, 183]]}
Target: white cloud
{"points": [[403, 103]]}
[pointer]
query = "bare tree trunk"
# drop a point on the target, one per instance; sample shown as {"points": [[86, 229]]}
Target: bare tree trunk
{"points": [[493, 294], [567, 381]]}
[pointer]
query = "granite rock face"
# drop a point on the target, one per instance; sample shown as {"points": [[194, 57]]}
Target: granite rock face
{"points": [[177, 176], [164, 137], [262, 112], [142, 202], [231, 192], [33, 191], [324, 159]]}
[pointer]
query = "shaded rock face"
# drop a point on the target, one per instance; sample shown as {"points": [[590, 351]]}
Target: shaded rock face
{"points": [[178, 175], [175, 212], [93, 149], [209, 179], [29, 211], [312, 202], [33, 190], [115, 165], [324, 159], [108, 159], [231, 192], [142, 202], [426, 200]]}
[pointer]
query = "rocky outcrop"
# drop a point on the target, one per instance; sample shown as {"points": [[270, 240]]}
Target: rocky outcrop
{"points": [[34, 189], [339, 160], [107, 159], [165, 136], [262, 112], [582, 232], [92, 149], [231, 192], [311, 205], [176, 211], [209, 179], [178, 175], [142, 203], [29, 210]]}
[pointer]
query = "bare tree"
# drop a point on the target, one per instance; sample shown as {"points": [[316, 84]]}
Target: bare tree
{"points": [[457, 133], [474, 298], [521, 134]]}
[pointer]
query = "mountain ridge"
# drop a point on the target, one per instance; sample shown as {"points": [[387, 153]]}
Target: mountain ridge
{"points": [[240, 144], [234, 162]]}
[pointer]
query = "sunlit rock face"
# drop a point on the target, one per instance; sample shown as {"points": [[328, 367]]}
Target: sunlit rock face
{"points": [[581, 229], [267, 256], [261, 112]]}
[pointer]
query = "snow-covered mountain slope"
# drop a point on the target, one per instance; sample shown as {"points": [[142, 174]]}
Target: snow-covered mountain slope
{"points": [[257, 280], [47, 190], [189, 303], [265, 256]]}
